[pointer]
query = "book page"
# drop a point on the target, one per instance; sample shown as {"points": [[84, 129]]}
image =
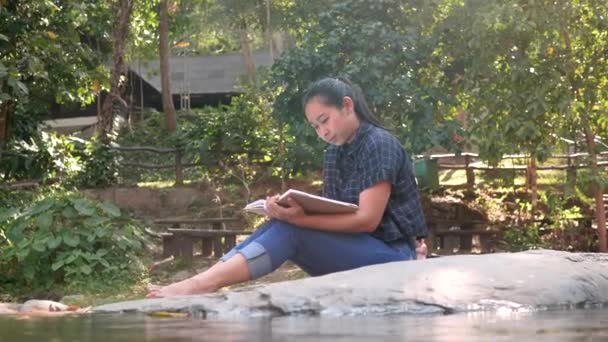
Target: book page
{"points": [[258, 207]]}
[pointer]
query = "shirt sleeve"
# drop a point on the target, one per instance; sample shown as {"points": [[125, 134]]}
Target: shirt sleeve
{"points": [[381, 161]]}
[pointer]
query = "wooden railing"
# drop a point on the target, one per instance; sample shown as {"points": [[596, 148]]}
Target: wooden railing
{"points": [[178, 165], [471, 164]]}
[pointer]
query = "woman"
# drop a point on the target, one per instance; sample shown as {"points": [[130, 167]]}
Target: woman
{"points": [[364, 164]]}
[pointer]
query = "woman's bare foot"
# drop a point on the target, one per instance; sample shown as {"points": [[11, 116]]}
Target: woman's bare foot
{"points": [[154, 287], [223, 273], [190, 286]]}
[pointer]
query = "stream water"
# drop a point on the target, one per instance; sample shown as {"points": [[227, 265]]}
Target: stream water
{"points": [[559, 325]]}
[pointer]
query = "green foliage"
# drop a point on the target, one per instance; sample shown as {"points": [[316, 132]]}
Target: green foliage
{"points": [[564, 226], [43, 156], [380, 46], [226, 132], [239, 139], [517, 239], [526, 72], [50, 53], [99, 165], [65, 239], [585, 181]]}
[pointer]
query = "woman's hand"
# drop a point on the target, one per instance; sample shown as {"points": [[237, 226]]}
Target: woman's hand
{"points": [[288, 214]]}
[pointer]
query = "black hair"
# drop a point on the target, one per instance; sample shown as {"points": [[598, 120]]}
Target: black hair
{"points": [[331, 91]]}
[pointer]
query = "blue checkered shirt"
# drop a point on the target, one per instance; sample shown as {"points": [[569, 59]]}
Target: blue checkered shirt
{"points": [[373, 156]]}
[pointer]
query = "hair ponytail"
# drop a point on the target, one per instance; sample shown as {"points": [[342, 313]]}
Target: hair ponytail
{"points": [[332, 92]]}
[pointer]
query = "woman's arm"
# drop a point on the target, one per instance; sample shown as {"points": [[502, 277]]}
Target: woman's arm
{"points": [[372, 204]]}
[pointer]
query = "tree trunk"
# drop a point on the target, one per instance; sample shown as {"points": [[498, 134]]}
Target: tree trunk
{"points": [[532, 182], [598, 192], [106, 118], [4, 121], [165, 68], [269, 31], [246, 51]]}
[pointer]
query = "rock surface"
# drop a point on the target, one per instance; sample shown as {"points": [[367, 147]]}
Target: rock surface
{"points": [[529, 280]]}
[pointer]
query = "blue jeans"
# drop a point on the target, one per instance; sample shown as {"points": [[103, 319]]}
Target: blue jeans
{"points": [[316, 252]]}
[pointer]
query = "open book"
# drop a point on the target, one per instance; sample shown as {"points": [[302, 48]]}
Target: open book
{"points": [[311, 204]]}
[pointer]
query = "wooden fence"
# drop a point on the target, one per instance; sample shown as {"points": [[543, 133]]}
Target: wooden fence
{"points": [[472, 163], [178, 165]]}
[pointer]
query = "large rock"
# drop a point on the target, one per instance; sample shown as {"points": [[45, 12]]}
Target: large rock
{"points": [[513, 281]]}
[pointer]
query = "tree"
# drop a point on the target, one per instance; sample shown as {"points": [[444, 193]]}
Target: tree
{"points": [[165, 69], [527, 72], [105, 119], [49, 53], [245, 16], [582, 58], [381, 47]]}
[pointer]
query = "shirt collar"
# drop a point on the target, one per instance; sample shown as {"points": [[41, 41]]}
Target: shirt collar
{"points": [[361, 132]]}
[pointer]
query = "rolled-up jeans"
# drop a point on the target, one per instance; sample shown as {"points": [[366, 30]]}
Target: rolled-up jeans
{"points": [[314, 251]]}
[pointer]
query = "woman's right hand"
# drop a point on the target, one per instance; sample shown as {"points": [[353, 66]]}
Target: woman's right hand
{"points": [[288, 214]]}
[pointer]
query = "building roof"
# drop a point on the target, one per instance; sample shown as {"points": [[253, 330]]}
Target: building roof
{"points": [[201, 74]]}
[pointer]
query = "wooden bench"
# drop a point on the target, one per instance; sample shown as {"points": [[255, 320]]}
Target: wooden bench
{"points": [[451, 236], [178, 241], [452, 240]]}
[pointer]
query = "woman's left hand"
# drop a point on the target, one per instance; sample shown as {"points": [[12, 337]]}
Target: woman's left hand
{"points": [[288, 214]]}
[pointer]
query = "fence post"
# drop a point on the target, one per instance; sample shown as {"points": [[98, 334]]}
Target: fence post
{"points": [[179, 172], [571, 172], [470, 173]]}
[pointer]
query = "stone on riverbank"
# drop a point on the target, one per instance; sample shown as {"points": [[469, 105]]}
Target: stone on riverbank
{"points": [[514, 281]]}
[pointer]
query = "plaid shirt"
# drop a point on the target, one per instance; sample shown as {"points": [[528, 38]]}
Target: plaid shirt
{"points": [[373, 156]]}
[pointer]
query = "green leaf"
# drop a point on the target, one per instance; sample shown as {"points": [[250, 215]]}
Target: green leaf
{"points": [[71, 240], [24, 243], [15, 231], [71, 257], [29, 273], [22, 87], [69, 212], [110, 209], [102, 232], [22, 254], [57, 265], [39, 246], [83, 206], [8, 214], [41, 207], [86, 269], [101, 252], [45, 220], [53, 242], [3, 37], [95, 221], [3, 71], [104, 262]]}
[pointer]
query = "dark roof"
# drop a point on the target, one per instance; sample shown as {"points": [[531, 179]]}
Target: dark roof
{"points": [[201, 74]]}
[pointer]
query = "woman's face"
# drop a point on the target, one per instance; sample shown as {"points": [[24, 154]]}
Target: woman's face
{"points": [[336, 126]]}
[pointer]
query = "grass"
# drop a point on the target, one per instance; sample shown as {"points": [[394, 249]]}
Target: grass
{"points": [[459, 178], [161, 184]]}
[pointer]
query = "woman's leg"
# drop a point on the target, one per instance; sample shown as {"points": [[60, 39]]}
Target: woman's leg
{"points": [[316, 252], [232, 271], [319, 252]]}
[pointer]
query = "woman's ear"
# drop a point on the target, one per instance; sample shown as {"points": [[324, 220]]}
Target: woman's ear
{"points": [[348, 104]]}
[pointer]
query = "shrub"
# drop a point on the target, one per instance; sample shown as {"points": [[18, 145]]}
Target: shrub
{"points": [[65, 239]]}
